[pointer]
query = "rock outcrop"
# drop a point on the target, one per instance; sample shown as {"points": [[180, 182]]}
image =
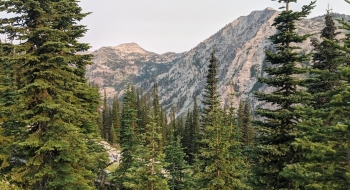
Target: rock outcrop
{"points": [[239, 48]]}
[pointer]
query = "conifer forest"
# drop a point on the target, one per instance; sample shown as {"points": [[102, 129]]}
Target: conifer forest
{"points": [[53, 121]]}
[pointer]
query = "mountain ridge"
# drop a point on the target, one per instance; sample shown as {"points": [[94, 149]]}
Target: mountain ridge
{"points": [[239, 47]]}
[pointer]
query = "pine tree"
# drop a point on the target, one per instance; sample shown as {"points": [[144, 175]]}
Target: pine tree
{"points": [[163, 124], [145, 171], [56, 110], [247, 130], [7, 100], [158, 114], [278, 130], [194, 133], [112, 135], [211, 96], [186, 141], [98, 111], [325, 131], [6, 185], [326, 164], [172, 124], [179, 126], [219, 163], [220, 157], [143, 110], [128, 136], [155, 103], [179, 171], [326, 60], [191, 134], [105, 118], [115, 120], [240, 115]]}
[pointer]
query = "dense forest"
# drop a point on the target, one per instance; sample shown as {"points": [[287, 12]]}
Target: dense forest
{"points": [[53, 122]]}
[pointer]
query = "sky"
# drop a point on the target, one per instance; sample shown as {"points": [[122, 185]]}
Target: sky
{"points": [[173, 25]]}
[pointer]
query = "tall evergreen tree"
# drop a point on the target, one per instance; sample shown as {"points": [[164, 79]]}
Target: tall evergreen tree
{"points": [[112, 134], [163, 125], [325, 131], [105, 118], [155, 103], [7, 100], [146, 169], [186, 141], [191, 134], [158, 114], [219, 163], [240, 115], [144, 108], [326, 59], [247, 130], [179, 171], [179, 126], [116, 119], [128, 135], [56, 110], [278, 130], [194, 133], [211, 95]]}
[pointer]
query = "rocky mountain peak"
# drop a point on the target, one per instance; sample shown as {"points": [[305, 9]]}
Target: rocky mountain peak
{"points": [[239, 47], [270, 9], [130, 48]]}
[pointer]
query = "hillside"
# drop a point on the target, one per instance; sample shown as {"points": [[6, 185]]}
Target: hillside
{"points": [[239, 47]]}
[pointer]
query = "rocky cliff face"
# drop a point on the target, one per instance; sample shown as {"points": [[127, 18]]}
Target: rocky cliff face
{"points": [[239, 47], [114, 67]]}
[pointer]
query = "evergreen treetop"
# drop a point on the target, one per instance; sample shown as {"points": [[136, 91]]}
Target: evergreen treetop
{"points": [[210, 96], [278, 128], [326, 59], [56, 115]]}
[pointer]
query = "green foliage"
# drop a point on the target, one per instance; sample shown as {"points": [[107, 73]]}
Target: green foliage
{"points": [[220, 162], [191, 134], [278, 128], [186, 140], [210, 95], [115, 128], [6, 185], [55, 131], [106, 120], [324, 137], [179, 125], [194, 133], [326, 59], [247, 129], [145, 172], [7, 100], [112, 135], [143, 110], [326, 165], [5, 141], [240, 115], [163, 125], [128, 135], [158, 115], [180, 173]]}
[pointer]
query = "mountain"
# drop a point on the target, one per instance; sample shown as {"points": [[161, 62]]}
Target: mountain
{"points": [[239, 48], [114, 67]]}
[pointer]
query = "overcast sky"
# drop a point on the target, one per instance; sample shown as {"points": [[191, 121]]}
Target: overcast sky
{"points": [[173, 25]]}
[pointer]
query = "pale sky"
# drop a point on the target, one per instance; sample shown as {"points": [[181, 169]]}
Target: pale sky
{"points": [[173, 25]]}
